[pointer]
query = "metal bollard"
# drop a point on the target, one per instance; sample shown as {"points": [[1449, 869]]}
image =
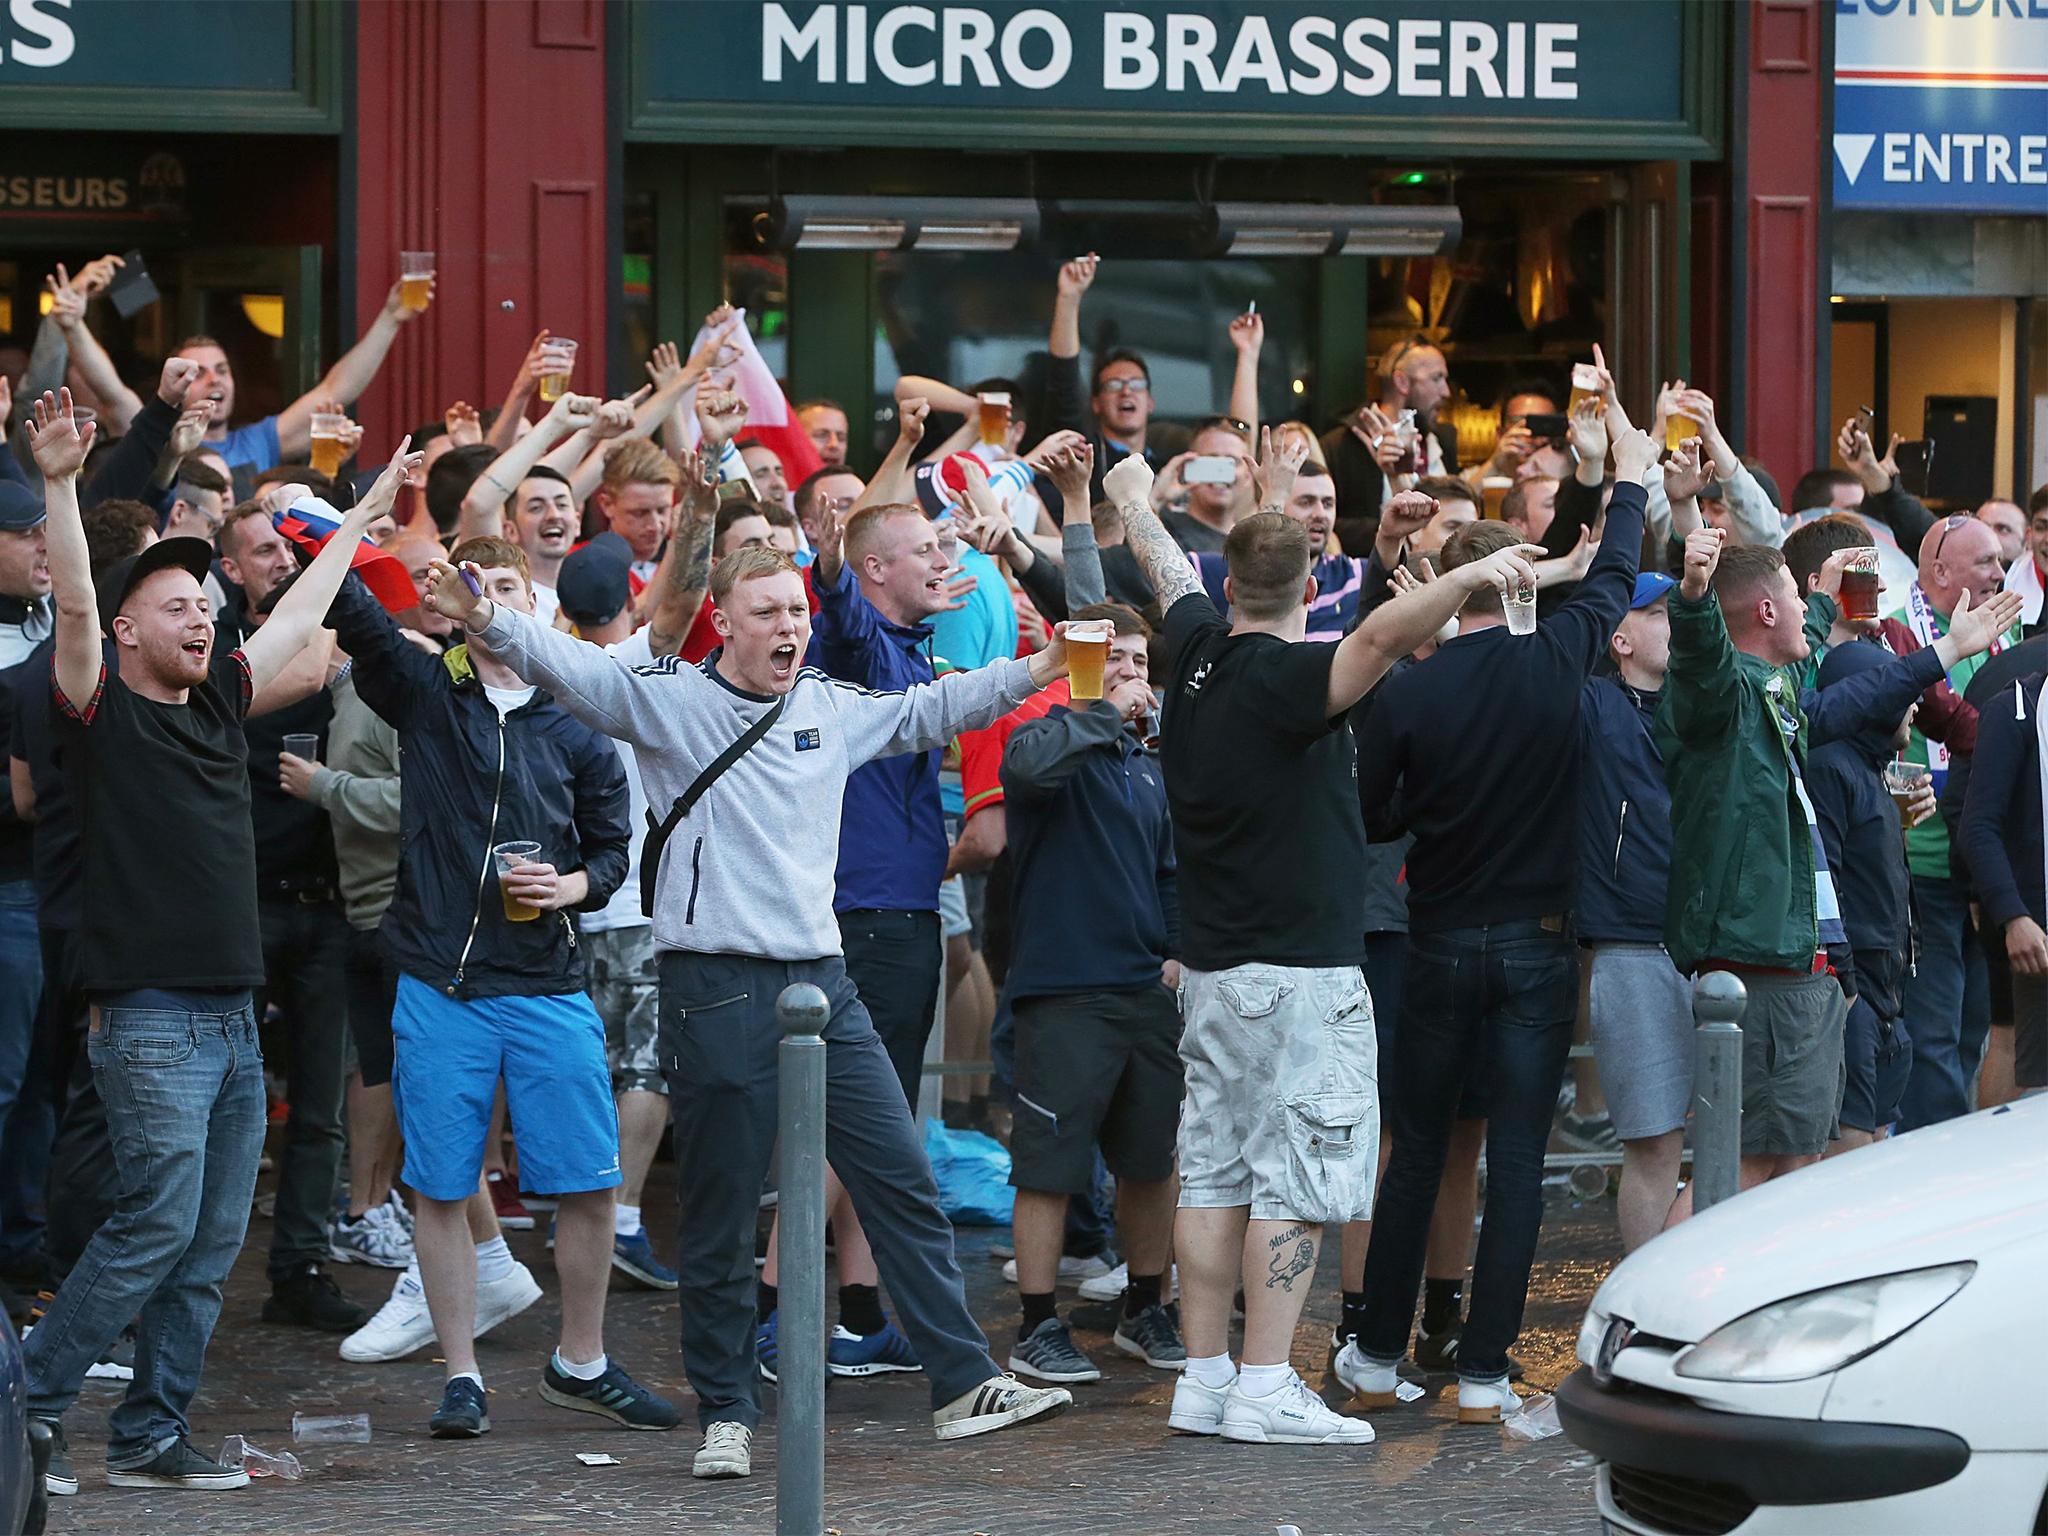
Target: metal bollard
{"points": [[1717, 1003], [802, 1011]]}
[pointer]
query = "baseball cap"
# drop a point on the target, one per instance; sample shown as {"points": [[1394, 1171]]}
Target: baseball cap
{"points": [[123, 576], [20, 507], [594, 583], [1845, 661], [1650, 586]]}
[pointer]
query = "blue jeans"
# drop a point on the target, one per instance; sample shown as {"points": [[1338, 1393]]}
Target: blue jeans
{"points": [[27, 1117], [1499, 1000], [185, 1105], [1947, 1007]]}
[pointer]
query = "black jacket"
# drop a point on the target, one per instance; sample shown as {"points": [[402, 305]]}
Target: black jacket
{"points": [[1624, 817], [471, 780], [1360, 484], [1866, 849], [2002, 811]]}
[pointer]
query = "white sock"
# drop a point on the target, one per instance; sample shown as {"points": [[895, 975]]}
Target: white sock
{"points": [[1212, 1370], [468, 1375], [1263, 1380], [589, 1372], [493, 1260], [625, 1220]]}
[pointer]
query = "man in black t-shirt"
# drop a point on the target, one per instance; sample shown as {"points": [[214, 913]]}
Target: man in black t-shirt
{"points": [[1280, 1129], [154, 752]]}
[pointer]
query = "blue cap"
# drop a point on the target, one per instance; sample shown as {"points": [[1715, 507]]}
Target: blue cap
{"points": [[20, 507], [594, 584], [1650, 586]]}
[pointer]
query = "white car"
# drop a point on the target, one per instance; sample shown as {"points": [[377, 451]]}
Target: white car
{"points": [[1861, 1347]]}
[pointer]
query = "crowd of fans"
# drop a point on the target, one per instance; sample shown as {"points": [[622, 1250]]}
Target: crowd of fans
{"points": [[1257, 798]]}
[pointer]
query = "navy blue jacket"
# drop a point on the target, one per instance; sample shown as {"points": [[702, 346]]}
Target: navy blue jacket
{"points": [[2002, 810], [1093, 898], [1859, 828], [1624, 817], [892, 832], [470, 780]]}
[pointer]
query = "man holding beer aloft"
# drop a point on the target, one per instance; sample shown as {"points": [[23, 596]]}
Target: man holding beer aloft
{"points": [[514, 816]]}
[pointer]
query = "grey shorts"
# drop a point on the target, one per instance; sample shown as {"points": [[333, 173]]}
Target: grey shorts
{"points": [[1642, 1038], [623, 986], [1282, 1108], [1793, 1067]]}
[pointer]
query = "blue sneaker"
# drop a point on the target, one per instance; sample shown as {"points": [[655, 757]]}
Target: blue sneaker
{"points": [[462, 1414], [874, 1354], [614, 1395], [765, 1351], [634, 1256]]}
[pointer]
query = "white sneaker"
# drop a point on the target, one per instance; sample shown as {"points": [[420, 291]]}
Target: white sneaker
{"points": [[399, 1327], [998, 1403], [1197, 1410], [374, 1238], [505, 1297], [728, 1451], [395, 1204], [1290, 1415], [1374, 1386], [1111, 1287], [1483, 1402], [1073, 1270]]}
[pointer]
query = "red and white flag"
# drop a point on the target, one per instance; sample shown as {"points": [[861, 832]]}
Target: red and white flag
{"points": [[771, 419]]}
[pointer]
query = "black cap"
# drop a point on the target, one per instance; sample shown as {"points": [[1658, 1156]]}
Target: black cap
{"points": [[595, 582], [123, 576], [20, 507]]}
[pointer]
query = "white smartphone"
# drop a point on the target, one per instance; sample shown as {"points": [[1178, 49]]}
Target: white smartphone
{"points": [[1210, 469]]}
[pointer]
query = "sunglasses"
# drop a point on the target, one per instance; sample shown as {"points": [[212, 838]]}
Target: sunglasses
{"points": [[1124, 387], [1949, 525]]}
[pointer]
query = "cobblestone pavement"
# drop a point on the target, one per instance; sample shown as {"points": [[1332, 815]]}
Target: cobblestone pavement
{"points": [[1108, 1465]]}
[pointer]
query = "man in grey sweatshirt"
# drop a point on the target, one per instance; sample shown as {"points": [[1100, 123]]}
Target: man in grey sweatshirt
{"points": [[742, 909]]}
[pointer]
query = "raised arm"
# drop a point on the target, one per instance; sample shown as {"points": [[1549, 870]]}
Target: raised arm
{"points": [[118, 402], [1129, 485], [1247, 335], [685, 572], [1071, 464], [505, 430], [937, 394], [1396, 628], [299, 613], [1701, 685], [483, 507], [59, 449], [127, 469], [348, 378], [892, 481]]}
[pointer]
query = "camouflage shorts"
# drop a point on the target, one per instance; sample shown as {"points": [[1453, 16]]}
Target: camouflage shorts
{"points": [[622, 985], [1282, 1108]]}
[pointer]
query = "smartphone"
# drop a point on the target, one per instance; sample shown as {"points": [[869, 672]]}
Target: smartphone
{"points": [[1549, 427], [132, 290], [1210, 469], [1915, 459], [1866, 423]]}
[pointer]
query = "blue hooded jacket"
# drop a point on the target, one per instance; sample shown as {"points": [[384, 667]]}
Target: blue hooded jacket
{"points": [[1624, 817]]}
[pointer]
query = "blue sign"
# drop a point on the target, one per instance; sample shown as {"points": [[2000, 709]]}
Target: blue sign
{"points": [[1942, 106]]}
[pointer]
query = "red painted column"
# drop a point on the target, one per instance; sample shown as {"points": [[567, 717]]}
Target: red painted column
{"points": [[481, 136], [1785, 161]]}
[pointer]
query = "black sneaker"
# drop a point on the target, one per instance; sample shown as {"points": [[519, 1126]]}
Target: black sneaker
{"points": [[1153, 1336], [179, 1466], [60, 1477], [462, 1414], [311, 1299], [614, 1395], [1050, 1354], [1439, 1352]]}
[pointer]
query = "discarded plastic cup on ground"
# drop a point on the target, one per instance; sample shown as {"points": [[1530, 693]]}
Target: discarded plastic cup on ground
{"points": [[1536, 1421], [331, 1428], [1589, 1180], [257, 1462]]}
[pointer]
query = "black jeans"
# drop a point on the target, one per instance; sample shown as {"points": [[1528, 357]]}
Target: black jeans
{"points": [[305, 961], [1497, 1000], [895, 961]]}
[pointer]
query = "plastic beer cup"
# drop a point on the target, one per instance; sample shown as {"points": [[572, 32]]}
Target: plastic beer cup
{"points": [[415, 279], [510, 856], [555, 382], [330, 442], [1087, 653]]}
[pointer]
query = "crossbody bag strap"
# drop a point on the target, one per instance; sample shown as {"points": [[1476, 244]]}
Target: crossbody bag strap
{"points": [[658, 832]]}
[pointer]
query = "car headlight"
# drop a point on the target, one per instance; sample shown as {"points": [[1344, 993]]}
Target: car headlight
{"points": [[1822, 1331], [1591, 1331]]}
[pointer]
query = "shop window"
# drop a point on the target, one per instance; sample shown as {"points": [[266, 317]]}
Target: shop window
{"points": [[758, 282], [636, 288], [965, 317]]}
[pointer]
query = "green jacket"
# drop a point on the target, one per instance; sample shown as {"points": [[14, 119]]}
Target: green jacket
{"points": [[1742, 879]]}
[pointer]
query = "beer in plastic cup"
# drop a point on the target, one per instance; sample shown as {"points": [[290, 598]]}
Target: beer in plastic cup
{"points": [[1493, 490], [562, 352], [1519, 602], [1902, 780], [330, 442], [1087, 651], [995, 419], [1585, 386], [1859, 585], [510, 856], [415, 278], [1677, 428], [303, 745]]}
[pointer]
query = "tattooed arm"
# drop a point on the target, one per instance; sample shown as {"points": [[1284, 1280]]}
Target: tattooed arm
{"points": [[686, 565], [1164, 562]]}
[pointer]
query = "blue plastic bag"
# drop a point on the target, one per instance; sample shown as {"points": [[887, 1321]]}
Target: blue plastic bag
{"points": [[973, 1172]]}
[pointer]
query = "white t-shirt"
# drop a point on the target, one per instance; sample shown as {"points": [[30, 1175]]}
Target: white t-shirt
{"points": [[623, 910], [545, 604], [505, 700]]}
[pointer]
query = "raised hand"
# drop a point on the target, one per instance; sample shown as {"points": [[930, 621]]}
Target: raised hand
{"points": [[721, 413], [95, 277], [1278, 467], [664, 365], [464, 425], [1248, 332], [381, 497], [175, 381], [910, 417], [1406, 514], [67, 304], [573, 413], [1687, 471], [1702, 556], [1976, 628], [453, 597], [700, 483], [1128, 480], [1076, 275], [615, 417], [1071, 466], [1635, 453], [1588, 429], [189, 430], [718, 350], [395, 307], [531, 369], [1054, 445], [55, 440], [1504, 569]]}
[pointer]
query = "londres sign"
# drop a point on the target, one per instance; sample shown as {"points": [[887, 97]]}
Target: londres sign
{"points": [[1047, 73]]}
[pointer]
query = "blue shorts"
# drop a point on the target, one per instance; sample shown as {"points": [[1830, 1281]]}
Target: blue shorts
{"points": [[1879, 1058], [558, 1089]]}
